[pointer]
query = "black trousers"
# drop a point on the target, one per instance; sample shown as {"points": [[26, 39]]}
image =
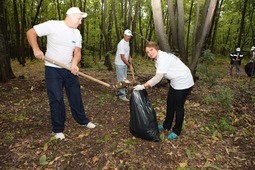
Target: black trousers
{"points": [[175, 108]]}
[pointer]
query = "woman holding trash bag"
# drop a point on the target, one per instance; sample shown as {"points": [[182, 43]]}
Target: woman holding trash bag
{"points": [[181, 81]]}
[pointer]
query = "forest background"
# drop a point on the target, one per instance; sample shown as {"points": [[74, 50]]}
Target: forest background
{"points": [[185, 28]]}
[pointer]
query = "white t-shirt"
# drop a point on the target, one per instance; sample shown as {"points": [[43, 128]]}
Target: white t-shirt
{"points": [[122, 48], [174, 70], [61, 41]]}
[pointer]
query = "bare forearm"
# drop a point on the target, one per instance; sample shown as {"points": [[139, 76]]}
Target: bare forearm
{"points": [[125, 60], [77, 56], [32, 39]]}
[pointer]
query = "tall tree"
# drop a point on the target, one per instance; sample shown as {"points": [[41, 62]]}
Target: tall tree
{"points": [[6, 72], [173, 24], [180, 19], [17, 33], [189, 26], [158, 20], [242, 25], [215, 25], [202, 33]]}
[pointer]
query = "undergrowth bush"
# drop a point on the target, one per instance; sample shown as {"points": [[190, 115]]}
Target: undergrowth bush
{"points": [[206, 70], [224, 97], [209, 73]]}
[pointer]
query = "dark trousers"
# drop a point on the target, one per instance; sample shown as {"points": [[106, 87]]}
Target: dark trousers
{"points": [[175, 108], [56, 80]]}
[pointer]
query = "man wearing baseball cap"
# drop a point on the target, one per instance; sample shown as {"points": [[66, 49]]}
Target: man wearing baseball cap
{"points": [[123, 61], [64, 43]]}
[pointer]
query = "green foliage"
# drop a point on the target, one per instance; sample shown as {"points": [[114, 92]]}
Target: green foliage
{"points": [[225, 124], [43, 160], [224, 97], [206, 70], [103, 139]]}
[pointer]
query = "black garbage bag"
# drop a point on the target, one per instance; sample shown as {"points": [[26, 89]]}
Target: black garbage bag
{"points": [[250, 69], [143, 122]]}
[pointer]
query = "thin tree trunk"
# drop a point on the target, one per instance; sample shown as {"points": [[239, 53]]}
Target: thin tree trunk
{"points": [[134, 23], [188, 32], [216, 27], [23, 24], [173, 25], [6, 72], [242, 25], [158, 20], [203, 33], [37, 12], [17, 33], [180, 19]]}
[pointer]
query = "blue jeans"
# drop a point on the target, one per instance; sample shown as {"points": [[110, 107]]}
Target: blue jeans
{"points": [[57, 79], [121, 71]]}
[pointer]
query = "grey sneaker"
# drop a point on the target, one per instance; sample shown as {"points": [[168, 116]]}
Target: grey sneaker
{"points": [[60, 135]]}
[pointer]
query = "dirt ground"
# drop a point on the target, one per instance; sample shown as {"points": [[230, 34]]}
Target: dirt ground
{"points": [[26, 141]]}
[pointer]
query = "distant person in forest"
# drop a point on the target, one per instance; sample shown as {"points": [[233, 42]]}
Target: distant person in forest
{"points": [[235, 61], [253, 53], [123, 61], [181, 81], [250, 66], [64, 43]]}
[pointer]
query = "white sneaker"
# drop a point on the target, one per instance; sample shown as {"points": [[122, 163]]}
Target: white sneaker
{"points": [[59, 135], [124, 99], [90, 125]]}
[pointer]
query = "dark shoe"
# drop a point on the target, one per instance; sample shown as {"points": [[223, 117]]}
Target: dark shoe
{"points": [[172, 136]]}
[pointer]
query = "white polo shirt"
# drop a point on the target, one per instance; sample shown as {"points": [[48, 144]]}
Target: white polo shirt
{"points": [[61, 41]]}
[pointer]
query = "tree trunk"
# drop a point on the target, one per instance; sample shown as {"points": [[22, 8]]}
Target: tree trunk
{"points": [[134, 23], [17, 33], [107, 35], [242, 24], [215, 27], [116, 22], [188, 32], [158, 20], [37, 12], [129, 14], [23, 25], [173, 25], [180, 19], [203, 32], [5, 63]]}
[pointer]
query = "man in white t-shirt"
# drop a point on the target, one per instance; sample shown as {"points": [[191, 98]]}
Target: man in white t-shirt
{"points": [[64, 43], [123, 61]]}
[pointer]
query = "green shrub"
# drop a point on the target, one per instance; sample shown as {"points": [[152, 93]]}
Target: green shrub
{"points": [[224, 97]]}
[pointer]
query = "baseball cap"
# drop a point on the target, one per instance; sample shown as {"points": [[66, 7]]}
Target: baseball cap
{"points": [[76, 10], [252, 48], [128, 32], [238, 49]]}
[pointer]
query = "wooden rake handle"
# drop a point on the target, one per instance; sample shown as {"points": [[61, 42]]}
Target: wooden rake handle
{"points": [[79, 73]]}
